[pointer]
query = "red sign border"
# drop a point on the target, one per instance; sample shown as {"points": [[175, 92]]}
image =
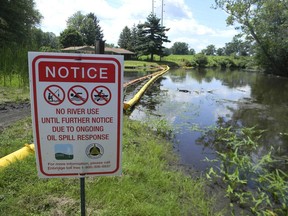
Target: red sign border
{"points": [[119, 110]]}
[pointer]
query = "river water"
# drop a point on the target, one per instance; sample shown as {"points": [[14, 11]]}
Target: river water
{"points": [[248, 99]]}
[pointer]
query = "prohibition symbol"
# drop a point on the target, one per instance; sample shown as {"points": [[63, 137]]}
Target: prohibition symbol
{"points": [[54, 95], [101, 95], [77, 95]]}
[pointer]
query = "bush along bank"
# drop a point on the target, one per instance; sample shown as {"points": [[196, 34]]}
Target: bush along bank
{"points": [[223, 62], [204, 61]]}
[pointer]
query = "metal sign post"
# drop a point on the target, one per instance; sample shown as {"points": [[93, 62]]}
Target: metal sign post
{"points": [[82, 195]]}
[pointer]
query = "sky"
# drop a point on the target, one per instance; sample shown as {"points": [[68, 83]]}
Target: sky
{"points": [[191, 21]]}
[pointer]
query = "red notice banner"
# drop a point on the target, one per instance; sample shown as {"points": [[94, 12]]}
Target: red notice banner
{"points": [[76, 72]]}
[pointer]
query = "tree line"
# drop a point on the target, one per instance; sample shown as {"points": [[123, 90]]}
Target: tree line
{"points": [[262, 25]]}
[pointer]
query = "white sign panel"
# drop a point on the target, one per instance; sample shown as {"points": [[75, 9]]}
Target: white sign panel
{"points": [[76, 103]]}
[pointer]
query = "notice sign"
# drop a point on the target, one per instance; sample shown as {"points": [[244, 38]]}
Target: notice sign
{"points": [[76, 103]]}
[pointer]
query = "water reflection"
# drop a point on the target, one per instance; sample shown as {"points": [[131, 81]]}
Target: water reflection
{"points": [[244, 98]]}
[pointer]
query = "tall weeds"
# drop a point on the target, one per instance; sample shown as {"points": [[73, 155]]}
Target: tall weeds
{"points": [[14, 66], [251, 181]]}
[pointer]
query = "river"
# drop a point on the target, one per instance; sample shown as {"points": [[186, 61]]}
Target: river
{"points": [[209, 96]]}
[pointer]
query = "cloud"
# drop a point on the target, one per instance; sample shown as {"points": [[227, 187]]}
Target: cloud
{"points": [[114, 15], [176, 9]]}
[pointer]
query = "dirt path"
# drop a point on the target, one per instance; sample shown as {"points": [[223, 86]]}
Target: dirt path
{"points": [[11, 112]]}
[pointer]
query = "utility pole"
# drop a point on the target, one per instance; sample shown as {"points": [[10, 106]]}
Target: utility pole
{"points": [[153, 7], [162, 11]]}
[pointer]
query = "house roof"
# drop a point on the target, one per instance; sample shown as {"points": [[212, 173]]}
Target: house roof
{"points": [[92, 49], [79, 48], [118, 50]]}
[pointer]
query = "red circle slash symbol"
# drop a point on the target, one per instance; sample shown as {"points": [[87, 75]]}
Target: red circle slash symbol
{"points": [[54, 95], [78, 95], [101, 95]]}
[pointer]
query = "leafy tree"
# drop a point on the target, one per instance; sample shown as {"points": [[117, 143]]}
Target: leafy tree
{"points": [[238, 47], [76, 21], [210, 50], [50, 40], [91, 30], [44, 39], [125, 38], [17, 19], [111, 45], [265, 23], [71, 37], [180, 48], [151, 36], [192, 51], [87, 25], [220, 51]]}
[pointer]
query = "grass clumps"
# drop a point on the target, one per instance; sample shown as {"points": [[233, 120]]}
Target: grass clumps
{"points": [[140, 66], [149, 184]]}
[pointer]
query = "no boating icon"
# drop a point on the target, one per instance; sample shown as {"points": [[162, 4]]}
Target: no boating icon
{"points": [[101, 95], [76, 105]]}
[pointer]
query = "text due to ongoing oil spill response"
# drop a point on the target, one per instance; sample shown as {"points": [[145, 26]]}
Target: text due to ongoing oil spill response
{"points": [[76, 103]]}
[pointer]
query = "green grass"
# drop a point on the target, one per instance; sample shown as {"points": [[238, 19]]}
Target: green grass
{"points": [[14, 137], [139, 66], [150, 185], [8, 94]]}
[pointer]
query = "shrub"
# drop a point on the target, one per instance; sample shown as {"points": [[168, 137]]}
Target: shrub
{"points": [[226, 62], [201, 60]]}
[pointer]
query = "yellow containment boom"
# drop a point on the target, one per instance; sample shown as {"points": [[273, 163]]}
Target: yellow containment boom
{"points": [[139, 94], [17, 155], [141, 78]]}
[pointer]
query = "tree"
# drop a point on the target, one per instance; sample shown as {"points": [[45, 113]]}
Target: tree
{"points": [[210, 50], [76, 21], [151, 36], [180, 48], [125, 38], [44, 39], [134, 38], [17, 19], [220, 51], [71, 37], [265, 24], [192, 51], [87, 25], [91, 30], [237, 47]]}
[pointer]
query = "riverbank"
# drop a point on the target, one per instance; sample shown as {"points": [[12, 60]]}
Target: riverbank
{"points": [[203, 61], [151, 183]]}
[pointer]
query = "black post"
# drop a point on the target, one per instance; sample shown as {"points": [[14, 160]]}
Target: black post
{"points": [[99, 47], [82, 194]]}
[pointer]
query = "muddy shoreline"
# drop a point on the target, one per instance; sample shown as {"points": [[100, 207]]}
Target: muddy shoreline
{"points": [[11, 112]]}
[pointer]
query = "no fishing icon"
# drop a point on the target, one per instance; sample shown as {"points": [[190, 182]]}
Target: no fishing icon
{"points": [[54, 95]]}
